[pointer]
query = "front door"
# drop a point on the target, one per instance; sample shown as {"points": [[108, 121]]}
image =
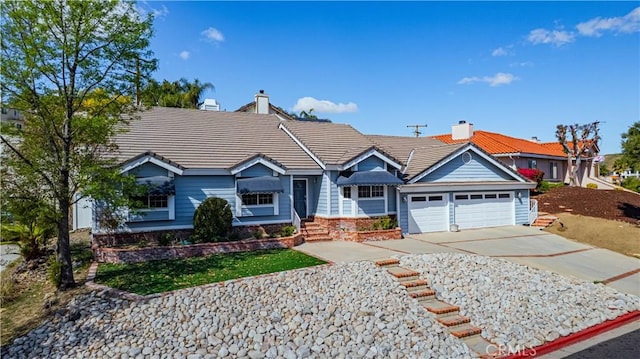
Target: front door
{"points": [[300, 197]]}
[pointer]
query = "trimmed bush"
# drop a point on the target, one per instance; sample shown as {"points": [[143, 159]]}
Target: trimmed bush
{"points": [[592, 186], [212, 220], [287, 231], [631, 183]]}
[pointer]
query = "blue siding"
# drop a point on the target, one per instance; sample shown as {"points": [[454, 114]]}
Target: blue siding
{"points": [[335, 195], [371, 207], [346, 207], [522, 207], [371, 163], [257, 170], [321, 208], [257, 211], [403, 220], [149, 216], [148, 170], [478, 169], [391, 199]]}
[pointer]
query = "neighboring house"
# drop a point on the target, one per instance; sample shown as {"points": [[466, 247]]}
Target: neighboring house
{"points": [[274, 171], [12, 116], [262, 105], [548, 157]]}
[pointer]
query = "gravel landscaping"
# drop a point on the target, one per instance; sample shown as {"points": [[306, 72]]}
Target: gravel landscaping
{"points": [[351, 310]]}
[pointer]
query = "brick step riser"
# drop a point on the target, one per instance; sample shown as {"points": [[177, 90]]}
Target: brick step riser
{"points": [[407, 279], [318, 239]]}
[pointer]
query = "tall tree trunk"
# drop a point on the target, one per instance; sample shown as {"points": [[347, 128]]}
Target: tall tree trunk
{"points": [[64, 249]]}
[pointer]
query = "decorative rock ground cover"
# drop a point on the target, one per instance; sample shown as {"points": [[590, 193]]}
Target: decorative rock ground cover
{"points": [[518, 306], [352, 310]]}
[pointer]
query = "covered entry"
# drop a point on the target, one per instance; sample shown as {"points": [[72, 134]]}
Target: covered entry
{"points": [[428, 213]]}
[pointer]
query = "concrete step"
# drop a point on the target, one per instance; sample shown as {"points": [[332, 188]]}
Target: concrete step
{"points": [[316, 232], [388, 262], [465, 330], [415, 285], [441, 309], [480, 345], [403, 274], [318, 238]]}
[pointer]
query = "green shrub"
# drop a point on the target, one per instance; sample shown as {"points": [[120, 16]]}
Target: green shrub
{"points": [[385, 223], [30, 238], [234, 236], [167, 238], [257, 234], [631, 183], [287, 231], [55, 270], [212, 220], [592, 186]]}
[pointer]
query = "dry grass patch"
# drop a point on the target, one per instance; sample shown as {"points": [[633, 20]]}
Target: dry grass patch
{"points": [[617, 236]]}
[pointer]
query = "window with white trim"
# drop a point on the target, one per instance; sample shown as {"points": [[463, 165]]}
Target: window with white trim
{"points": [[153, 201], [346, 192], [533, 164], [257, 199], [370, 191]]}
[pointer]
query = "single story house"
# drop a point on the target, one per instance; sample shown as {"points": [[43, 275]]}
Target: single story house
{"points": [[549, 157], [275, 171]]}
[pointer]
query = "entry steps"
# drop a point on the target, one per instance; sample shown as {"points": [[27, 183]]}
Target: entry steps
{"points": [[446, 314], [315, 232]]}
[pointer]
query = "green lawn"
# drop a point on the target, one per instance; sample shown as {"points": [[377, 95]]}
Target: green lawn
{"points": [[165, 275]]}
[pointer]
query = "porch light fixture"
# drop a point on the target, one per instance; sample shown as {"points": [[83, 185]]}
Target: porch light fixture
{"points": [[404, 199], [519, 195]]}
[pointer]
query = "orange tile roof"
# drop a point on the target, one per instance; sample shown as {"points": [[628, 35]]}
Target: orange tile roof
{"points": [[496, 143]]}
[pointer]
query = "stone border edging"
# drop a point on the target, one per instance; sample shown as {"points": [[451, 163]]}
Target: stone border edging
{"points": [[577, 337], [138, 298]]}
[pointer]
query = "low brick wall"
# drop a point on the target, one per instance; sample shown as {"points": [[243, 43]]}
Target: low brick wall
{"points": [[347, 229], [120, 255], [379, 235]]}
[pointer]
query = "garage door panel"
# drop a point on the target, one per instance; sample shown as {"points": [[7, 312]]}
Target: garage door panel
{"points": [[428, 213], [483, 210]]}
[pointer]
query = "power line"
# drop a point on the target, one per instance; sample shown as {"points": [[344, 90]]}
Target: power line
{"points": [[416, 130]]}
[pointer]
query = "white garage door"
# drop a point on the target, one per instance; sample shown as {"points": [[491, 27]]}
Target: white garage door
{"points": [[428, 213], [477, 210]]}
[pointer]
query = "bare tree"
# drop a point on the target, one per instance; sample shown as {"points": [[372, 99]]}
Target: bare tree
{"points": [[583, 140]]}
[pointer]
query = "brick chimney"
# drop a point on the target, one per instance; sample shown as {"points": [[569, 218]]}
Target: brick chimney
{"points": [[262, 102], [462, 131]]}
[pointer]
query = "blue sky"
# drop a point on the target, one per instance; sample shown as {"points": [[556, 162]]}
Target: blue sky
{"points": [[518, 68]]}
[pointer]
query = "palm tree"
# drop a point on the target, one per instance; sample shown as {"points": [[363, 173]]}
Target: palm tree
{"points": [[193, 91]]}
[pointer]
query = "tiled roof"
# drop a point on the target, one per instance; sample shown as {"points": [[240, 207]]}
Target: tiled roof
{"points": [[496, 144], [332, 143], [210, 139], [426, 151]]}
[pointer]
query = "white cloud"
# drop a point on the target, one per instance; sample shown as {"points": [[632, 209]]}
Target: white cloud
{"points": [[213, 34], [623, 24], [323, 106], [158, 13], [185, 55], [498, 79], [522, 64], [553, 37], [500, 51]]}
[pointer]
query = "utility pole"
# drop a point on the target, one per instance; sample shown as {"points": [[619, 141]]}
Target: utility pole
{"points": [[416, 130]]}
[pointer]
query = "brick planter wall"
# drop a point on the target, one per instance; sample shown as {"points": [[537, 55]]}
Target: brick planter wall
{"points": [[120, 255], [152, 237], [346, 229]]}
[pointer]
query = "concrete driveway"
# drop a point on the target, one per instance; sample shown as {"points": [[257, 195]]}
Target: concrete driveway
{"points": [[523, 245]]}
